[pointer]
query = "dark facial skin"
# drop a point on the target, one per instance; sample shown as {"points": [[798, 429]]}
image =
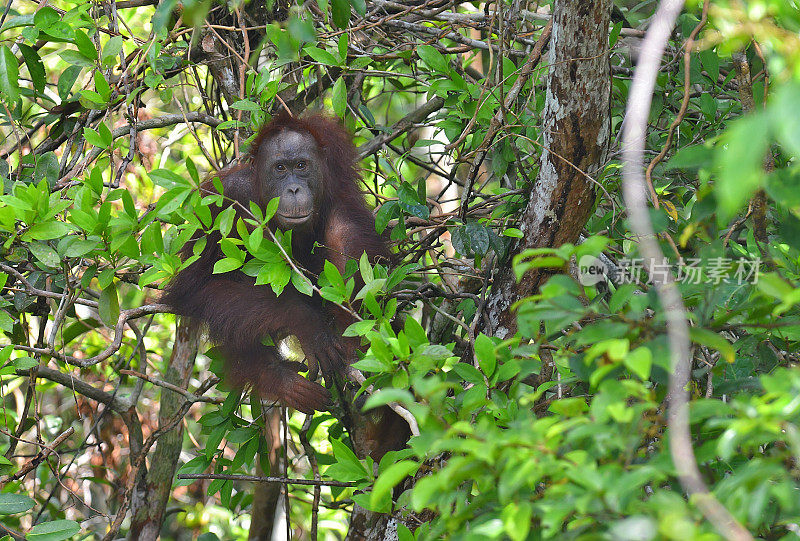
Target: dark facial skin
{"points": [[289, 166]]}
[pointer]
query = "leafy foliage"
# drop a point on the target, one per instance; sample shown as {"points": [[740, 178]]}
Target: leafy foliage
{"points": [[111, 118]]}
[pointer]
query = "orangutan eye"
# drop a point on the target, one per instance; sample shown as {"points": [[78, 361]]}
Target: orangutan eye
{"points": [[280, 167], [301, 165]]}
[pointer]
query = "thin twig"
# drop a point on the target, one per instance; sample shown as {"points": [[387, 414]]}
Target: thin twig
{"points": [[38, 459], [167, 385], [403, 125], [311, 455], [118, 405], [259, 479], [688, 47]]}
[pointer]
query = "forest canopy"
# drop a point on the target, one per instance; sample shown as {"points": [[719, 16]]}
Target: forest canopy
{"points": [[588, 326]]}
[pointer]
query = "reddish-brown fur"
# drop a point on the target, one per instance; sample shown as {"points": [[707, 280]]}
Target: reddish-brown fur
{"points": [[239, 314]]}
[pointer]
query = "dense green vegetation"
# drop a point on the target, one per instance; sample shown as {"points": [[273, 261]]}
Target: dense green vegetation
{"points": [[112, 114]]}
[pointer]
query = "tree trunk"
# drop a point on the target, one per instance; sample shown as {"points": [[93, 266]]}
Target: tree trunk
{"points": [[146, 522], [575, 140], [576, 135], [267, 495]]}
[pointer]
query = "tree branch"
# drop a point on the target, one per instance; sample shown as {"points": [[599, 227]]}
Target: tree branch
{"points": [[634, 133], [403, 125]]}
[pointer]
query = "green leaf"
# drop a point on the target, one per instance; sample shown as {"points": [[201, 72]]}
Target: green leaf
{"points": [[272, 208], [45, 18], [517, 515], [347, 466], [426, 490], [787, 126], [81, 247], [107, 136], [321, 56], [341, 13], [226, 265], [112, 48], [168, 179], [433, 59], [11, 504], [78, 328], [47, 168], [339, 98], [254, 239], [226, 218], [468, 373], [343, 46], [639, 361], [691, 158], [44, 253], [35, 66], [710, 62], [162, 15], [48, 230], [109, 305], [415, 333], [613, 36], [359, 328], [16, 21], [103, 90], [472, 239], [278, 276], [6, 321], [411, 202], [302, 284], [360, 6], [714, 341], [246, 105], [91, 99], [334, 276], [85, 44], [386, 396], [621, 297], [57, 530], [487, 357], [740, 158], [105, 278], [71, 56], [24, 363], [569, 406], [387, 211], [92, 137], [67, 80], [365, 269], [242, 435], [9, 74], [301, 30], [388, 479]]}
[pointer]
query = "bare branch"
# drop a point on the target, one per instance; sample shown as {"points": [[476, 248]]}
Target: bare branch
{"points": [[124, 316], [453, 36], [41, 292], [257, 479], [403, 125], [69, 381], [188, 395], [38, 459], [634, 132]]}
